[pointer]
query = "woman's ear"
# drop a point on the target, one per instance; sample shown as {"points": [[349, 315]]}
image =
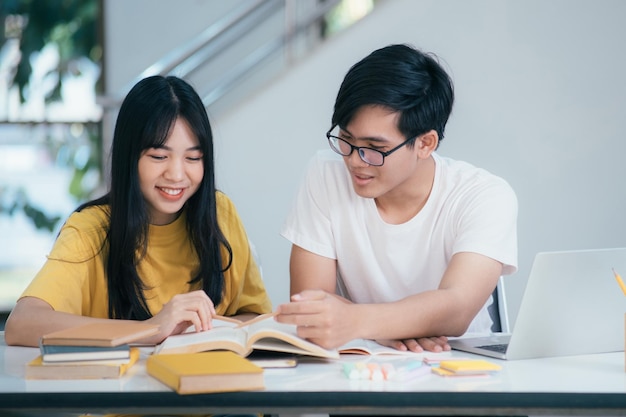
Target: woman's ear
{"points": [[427, 143]]}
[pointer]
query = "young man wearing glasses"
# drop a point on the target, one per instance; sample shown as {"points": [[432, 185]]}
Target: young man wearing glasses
{"points": [[392, 241]]}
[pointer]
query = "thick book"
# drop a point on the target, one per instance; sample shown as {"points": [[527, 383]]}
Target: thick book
{"points": [[205, 372], [62, 353], [106, 333], [262, 333], [105, 369]]}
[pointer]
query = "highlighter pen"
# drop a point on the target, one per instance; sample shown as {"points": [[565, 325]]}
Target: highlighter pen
{"points": [[620, 281], [411, 371]]}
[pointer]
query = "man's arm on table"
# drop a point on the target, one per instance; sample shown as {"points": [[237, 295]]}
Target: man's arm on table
{"points": [[417, 322]]}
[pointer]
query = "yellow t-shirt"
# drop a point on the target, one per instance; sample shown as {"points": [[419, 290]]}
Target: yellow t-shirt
{"points": [[72, 279]]}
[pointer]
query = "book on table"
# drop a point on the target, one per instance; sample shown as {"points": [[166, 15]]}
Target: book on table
{"points": [[266, 334], [205, 372], [261, 333], [91, 369], [106, 333], [373, 348], [62, 353]]}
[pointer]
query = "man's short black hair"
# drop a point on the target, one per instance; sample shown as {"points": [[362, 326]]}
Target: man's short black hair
{"points": [[403, 79]]}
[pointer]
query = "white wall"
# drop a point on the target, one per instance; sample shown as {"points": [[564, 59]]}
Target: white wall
{"points": [[540, 102], [139, 32]]}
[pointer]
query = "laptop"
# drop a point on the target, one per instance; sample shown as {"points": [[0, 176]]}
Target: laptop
{"points": [[572, 305]]}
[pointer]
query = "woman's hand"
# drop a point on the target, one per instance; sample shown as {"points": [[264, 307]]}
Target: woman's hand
{"points": [[183, 310]]}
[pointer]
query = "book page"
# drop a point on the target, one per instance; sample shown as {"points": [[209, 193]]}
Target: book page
{"points": [[370, 347], [216, 323], [269, 334], [218, 338]]}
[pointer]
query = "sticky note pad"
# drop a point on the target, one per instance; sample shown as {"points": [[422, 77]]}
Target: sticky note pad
{"points": [[469, 366]]}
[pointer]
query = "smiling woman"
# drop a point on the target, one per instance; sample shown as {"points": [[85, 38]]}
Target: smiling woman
{"points": [[171, 173], [162, 245]]}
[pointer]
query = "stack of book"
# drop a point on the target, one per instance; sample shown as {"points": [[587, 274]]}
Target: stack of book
{"points": [[92, 351]]}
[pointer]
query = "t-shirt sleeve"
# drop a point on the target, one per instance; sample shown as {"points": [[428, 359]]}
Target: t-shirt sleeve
{"points": [[308, 224], [65, 279], [487, 224]]}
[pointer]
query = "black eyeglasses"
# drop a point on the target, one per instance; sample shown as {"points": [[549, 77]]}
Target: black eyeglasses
{"points": [[368, 155]]}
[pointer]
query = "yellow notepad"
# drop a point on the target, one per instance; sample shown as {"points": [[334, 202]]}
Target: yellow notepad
{"points": [[468, 367]]}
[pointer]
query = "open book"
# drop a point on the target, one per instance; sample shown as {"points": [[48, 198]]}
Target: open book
{"points": [[261, 333], [370, 347], [265, 334]]}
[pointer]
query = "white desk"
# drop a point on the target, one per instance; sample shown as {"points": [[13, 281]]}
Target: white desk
{"points": [[583, 385]]}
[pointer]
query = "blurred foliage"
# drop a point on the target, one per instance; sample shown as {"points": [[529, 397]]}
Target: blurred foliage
{"points": [[71, 24], [17, 200], [86, 162], [77, 147], [346, 13]]}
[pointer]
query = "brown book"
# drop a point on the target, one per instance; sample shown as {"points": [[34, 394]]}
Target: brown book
{"points": [[95, 369], [109, 333], [261, 333], [204, 372]]}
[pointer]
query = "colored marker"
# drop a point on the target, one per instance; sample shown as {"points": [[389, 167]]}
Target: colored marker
{"points": [[410, 371], [376, 374]]}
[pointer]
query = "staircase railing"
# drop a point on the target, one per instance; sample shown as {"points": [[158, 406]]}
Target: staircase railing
{"points": [[192, 56]]}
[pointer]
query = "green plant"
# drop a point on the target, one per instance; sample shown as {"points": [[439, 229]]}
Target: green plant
{"points": [[12, 200], [71, 24]]}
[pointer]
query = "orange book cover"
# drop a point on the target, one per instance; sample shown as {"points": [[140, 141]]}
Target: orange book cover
{"points": [[109, 333]]}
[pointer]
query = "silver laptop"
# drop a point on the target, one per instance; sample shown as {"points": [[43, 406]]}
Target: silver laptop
{"points": [[572, 305]]}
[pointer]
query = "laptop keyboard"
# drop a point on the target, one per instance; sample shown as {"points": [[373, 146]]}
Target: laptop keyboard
{"points": [[500, 347]]}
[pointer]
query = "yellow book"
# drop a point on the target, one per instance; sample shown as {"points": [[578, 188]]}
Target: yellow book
{"points": [[194, 373], [95, 369], [262, 333]]}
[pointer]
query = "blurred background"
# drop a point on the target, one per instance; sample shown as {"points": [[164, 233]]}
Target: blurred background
{"points": [[541, 101]]}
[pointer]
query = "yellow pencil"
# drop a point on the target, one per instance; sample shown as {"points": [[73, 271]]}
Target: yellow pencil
{"points": [[620, 281]]}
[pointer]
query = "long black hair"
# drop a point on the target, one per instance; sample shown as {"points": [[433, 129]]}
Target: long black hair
{"points": [[145, 119]]}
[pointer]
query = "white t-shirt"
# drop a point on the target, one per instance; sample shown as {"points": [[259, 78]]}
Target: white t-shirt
{"points": [[468, 210]]}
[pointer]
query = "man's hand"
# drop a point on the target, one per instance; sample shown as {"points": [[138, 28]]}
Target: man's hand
{"points": [[322, 318], [430, 344]]}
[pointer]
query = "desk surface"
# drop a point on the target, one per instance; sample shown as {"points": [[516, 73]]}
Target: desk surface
{"points": [[584, 385]]}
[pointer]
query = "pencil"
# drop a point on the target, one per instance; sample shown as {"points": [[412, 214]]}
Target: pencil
{"points": [[620, 281]]}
